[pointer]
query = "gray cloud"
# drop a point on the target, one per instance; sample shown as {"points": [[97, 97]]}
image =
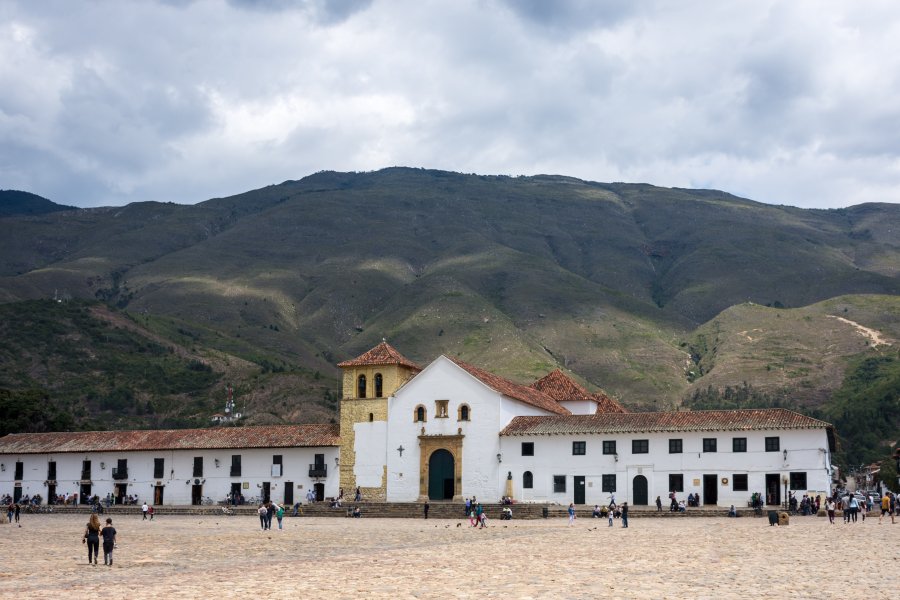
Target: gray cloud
{"points": [[785, 102]]}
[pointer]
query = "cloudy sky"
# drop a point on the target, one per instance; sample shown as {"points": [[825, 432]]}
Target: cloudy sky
{"points": [[110, 102]]}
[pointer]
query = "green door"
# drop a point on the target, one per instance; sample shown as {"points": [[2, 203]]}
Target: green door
{"points": [[639, 495], [440, 475]]}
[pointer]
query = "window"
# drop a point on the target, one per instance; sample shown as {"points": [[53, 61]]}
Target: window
{"points": [[676, 482], [371, 417], [798, 481], [527, 480], [579, 448], [559, 484], [361, 387], [739, 481], [235, 465], [773, 444], [277, 467], [608, 483], [739, 444], [440, 409], [51, 470], [159, 468], [198, 466], [710, 444], [378, 385], [609, 447], [463, 412], [674, 446], [419, 414], [640, 446], [85, 470], [527, 448], [20, 470]]}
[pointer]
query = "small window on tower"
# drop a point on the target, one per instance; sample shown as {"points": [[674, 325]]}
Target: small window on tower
{"points": [[378, 385], [419, 414], [464, 412]]}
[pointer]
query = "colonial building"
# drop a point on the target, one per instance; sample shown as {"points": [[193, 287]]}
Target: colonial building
{"points": [[444, 432], [182, 466]]}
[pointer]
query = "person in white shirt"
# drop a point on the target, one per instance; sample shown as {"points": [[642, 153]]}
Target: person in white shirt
{"points": [[144, 509]]}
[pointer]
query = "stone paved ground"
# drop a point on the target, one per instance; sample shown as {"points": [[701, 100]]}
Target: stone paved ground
{"points": [[229, 557]]}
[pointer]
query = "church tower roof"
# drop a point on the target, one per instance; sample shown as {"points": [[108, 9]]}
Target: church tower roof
{"points": [[382, 354]]}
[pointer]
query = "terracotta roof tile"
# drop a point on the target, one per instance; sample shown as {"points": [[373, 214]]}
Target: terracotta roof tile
{"points": [[561, 387], [605, 404], [701, 420], [269, 436], [513, 390], [382, 354]]}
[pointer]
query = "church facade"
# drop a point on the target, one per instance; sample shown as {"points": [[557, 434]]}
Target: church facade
{"points": [[447, 431]]}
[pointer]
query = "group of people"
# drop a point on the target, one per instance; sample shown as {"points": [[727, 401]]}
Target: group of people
{"points": [[266, 511], [24, 500], [92, 534], [608, 512], [676, 505], [852, 506], [475, 513]]}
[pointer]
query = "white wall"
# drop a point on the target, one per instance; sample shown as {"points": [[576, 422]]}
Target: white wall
{"points": [[553, 456], [256, 468], [370, 451]]}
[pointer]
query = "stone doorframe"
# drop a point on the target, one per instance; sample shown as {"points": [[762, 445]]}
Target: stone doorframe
{"points": [[428, 444]]}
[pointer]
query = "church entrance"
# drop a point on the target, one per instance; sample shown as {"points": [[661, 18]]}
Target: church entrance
{"points": [[639, 494], [440, 475]]}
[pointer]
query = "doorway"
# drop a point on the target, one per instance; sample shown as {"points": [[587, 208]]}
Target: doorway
{"points": [[579, 489], [158, 495], [51, 494], [639, 487], [710, 490], [773, 489], [84, 492], [289, 493], [266, 491], [17, 494], [440, 475], [120, 490], [197, 494], [235, 493], [319, 489]]}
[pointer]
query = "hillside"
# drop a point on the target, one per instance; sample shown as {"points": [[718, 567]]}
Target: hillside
{"points": [[653, 294], [16, 203]]}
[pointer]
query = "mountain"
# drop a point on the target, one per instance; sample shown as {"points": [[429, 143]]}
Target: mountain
{"points": [[660, 296], [13, 203]]}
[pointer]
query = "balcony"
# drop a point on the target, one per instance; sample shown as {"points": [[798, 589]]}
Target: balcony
{"points": [[86, 475], [235, 472], [120, 473], [318, 470]]}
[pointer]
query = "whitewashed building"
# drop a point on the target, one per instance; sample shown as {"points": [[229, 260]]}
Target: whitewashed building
{"points": [[173, 467], [452, 430], [444, 432]]}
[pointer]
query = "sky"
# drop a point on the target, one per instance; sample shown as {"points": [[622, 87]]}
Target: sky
{"points": [[786, 102]]}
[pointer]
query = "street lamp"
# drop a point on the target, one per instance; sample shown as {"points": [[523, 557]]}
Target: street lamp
{"points": [[784, 480]]}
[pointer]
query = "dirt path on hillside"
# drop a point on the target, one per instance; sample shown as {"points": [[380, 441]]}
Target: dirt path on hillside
{"points": [[874, 335]]}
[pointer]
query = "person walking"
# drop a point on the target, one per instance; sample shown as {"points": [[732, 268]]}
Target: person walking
{"points": [[468, 506], [279, 514], [845, 507], [18, 510], [92, 537], [144, 509], [829, 507], [658, 504], [571, 514], [886, 508], [109, 542], [854, 507], [624, 514], [609, 516], [270, 512], [261, 511], [150, 510], [425, 508], [10, 509], [358, 496]]}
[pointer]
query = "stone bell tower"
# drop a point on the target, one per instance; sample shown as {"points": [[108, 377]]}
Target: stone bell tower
{"points": [[369, 380]]}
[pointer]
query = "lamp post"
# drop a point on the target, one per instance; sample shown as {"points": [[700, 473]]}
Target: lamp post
{"points": [[784, 480]]}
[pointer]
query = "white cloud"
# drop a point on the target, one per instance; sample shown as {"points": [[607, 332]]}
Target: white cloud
{"points": [[791, 102]]}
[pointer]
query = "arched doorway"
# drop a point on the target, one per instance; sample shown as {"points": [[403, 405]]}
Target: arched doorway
{"points": [[440, 475], [639, 493]]}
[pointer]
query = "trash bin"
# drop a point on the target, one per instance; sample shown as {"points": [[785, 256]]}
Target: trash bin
{"points": [[784, 519], [773, 517], [545, 512]]}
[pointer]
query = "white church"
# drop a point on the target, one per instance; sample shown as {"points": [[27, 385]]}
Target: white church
{"points": [[445, 432]]}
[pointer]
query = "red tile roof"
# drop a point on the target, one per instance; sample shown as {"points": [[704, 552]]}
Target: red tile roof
{"points": [[513, 390], [382, 354], [701, 420], [605, 404], [269, 436], [562, 388]]}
